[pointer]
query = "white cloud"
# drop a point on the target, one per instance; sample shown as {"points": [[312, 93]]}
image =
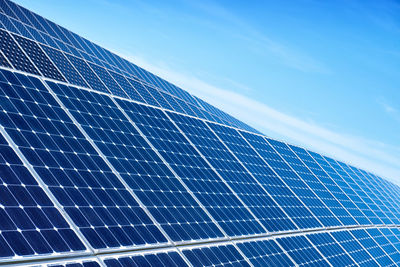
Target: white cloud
{"points": [[368, 154]]}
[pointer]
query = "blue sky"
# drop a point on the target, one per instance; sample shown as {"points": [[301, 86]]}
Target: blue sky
{"points": [[321, 74]]}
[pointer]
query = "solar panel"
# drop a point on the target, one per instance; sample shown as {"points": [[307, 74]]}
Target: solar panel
{"points": [[71, 168], [165, 258], [200, 178], [223, 255], [103, 163], [139, 166], [265, 253]]}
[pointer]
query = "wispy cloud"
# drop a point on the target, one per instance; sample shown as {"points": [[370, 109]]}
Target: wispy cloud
{"points": [[389, 109], [257, 41], [368, 154]]}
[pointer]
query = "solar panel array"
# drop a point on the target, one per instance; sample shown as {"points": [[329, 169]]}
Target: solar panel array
{"points": [[105, 164]]}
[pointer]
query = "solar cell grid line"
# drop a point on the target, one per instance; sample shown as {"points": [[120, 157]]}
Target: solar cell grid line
{"points": [[331, 249], [265, 252], [72, 169], [385, 244], [231, 172], [342, 191], [278, 188], [65, 67], [302, 251], [384, 203], [193, 170], [354, 248], [15, 54], [367, 206], [378, 206], [328, 189], [333, 212], [32, 225], [41, 61], [215, 255], [373, 248], [273, 217], [138, 165], [382, 192], [170, 257]]}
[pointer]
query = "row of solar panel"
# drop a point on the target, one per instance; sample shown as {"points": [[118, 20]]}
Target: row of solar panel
{"points": [[370, 247], [128, 175], [85, 64]]}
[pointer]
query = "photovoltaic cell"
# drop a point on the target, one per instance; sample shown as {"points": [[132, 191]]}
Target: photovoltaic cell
{"points": [[141, 168], [265, 253], [39, 58], [225, 255], [30, 224], [194, 171], [64, 66], [81, 181], [14, 54], [171, 258]]}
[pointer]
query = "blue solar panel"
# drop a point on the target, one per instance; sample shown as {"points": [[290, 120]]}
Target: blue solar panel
{"points": [[102, 73], [357, 252], [331, 249], [302, 251], [87, 73], [385, 244], [81, 263], [373, 248], [148, 177], [14, 54], [30, 223], [168, 258], [356, 194], [41, 61], [92, 178], [305, 185], [280, 191], [233, 172], [195, 172], [265, 253], [375, 204], [341, 190], [224, 255], [62, 63], [81, 181]]}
